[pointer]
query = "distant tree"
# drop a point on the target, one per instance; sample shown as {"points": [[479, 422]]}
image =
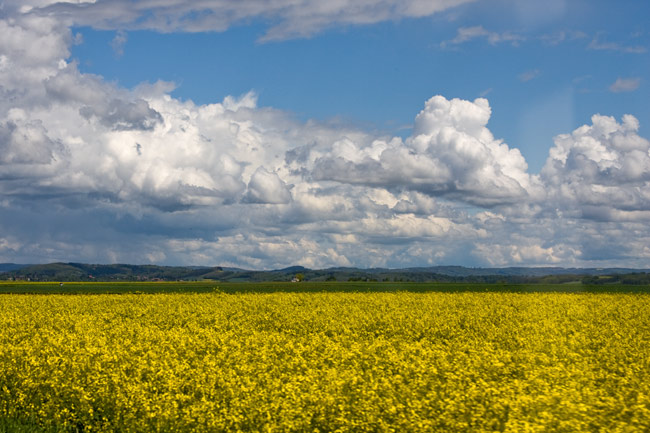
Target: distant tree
{"points": [[300, 277]]}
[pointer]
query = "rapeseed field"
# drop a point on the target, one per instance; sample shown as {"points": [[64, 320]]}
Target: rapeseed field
{"points": [[325, 362]]}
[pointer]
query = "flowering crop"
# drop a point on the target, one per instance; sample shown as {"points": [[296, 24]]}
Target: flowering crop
{"points": [[358, 362]]}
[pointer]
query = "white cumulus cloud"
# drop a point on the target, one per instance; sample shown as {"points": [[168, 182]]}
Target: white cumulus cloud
{"points": [[603, 170], [94, 172], [267, 187], [451, 153]]}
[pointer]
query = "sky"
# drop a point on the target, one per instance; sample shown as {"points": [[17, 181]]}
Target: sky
{"points": [[368, 133]]}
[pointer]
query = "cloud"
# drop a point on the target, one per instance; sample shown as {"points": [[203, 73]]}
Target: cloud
{"points": [[625, 85], [596, 44], [94, 138], [466, 34], [528, 75], [186, 183], [486, 92], [122, 115], [288, 19], [558, 37], [503, 255], [601, 171], [118, 42], [91, 171], [451, 153], [267, 187], [25, 142]]}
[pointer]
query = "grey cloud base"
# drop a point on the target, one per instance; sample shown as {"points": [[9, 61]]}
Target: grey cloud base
{"points": [[93, 172]]}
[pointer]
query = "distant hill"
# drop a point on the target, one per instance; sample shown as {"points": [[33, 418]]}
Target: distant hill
{"points": [[523, 271], [118, 272], [6, 267], [126, 272]]}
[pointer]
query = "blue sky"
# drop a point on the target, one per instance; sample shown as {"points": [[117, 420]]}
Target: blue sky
{"points": [[375, 133]]}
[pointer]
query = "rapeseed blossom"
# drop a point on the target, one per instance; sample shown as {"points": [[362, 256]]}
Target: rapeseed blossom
{"points": [[324, 362]]}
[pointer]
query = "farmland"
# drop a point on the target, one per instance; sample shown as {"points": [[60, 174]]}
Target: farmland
{"points": [[320, 358], [9, 287]]}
